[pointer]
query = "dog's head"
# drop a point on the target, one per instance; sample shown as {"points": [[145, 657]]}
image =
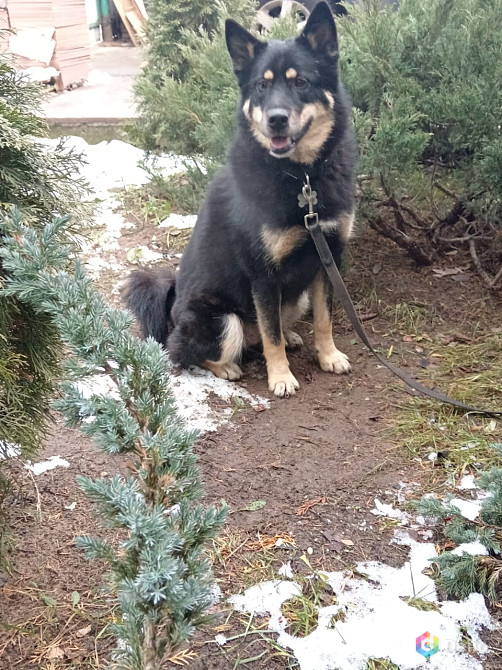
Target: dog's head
{"points": [[288, 88]]}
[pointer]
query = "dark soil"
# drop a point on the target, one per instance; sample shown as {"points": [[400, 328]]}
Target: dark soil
{"points": [[329, 443]]}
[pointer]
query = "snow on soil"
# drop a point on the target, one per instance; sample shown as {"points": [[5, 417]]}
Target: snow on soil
{"points": [[191, 389], [382, 509], [471, 549], [470, 509], [372, 620], [50, 464], [467, 483], [179, 221], [109, 167]]}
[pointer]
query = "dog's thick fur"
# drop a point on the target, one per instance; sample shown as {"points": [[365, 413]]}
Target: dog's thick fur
{"points": [[250, 266]]}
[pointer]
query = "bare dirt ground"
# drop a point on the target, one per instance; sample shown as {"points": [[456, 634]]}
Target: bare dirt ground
{"points": [[318, 460]]}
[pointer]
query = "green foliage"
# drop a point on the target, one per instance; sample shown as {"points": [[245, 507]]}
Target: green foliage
{"points": [[425, 81], [463, 574], [168, 21], [158, 568], [187, 94], [194, 114], [41, 181]]}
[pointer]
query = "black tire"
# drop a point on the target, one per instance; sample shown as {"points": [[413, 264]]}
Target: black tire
{"points": [[268, 10], [308, 4], [273, 9]]}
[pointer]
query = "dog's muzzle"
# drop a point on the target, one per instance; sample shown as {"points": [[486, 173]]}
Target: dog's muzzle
{"points": [[278, 128]]}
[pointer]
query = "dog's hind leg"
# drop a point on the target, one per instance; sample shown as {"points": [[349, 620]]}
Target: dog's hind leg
{"points": [[231, 346], [290, 314], [330, 358]]}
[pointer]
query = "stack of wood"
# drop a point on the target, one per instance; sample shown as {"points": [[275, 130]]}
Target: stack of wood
{"points": [[61, 22], [133, 15]]}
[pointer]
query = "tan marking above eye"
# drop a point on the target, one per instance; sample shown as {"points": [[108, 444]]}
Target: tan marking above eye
{"points": [[291, 73], [269, 75]]}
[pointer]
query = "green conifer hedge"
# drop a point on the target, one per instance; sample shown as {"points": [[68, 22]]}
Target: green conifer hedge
{"points": [[426, 85], [41, 182]]}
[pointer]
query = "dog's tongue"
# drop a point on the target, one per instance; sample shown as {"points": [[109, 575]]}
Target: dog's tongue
{"points": [[279, 142]]}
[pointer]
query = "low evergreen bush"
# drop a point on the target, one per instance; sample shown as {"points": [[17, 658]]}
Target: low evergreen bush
{"points": [[427, 93], [41, 182], [475, 565], [117, 390]]}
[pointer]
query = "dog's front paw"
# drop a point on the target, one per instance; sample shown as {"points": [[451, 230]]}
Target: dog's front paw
{"points": [[283, 385], [335, 361], [293, 340], [230, 371]]}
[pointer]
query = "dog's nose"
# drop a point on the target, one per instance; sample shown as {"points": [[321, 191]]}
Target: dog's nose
{"points": [[278, 119]]}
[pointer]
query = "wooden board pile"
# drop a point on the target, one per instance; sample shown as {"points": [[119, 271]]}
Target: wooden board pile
{"points": [[133, 15], [60, 28]]}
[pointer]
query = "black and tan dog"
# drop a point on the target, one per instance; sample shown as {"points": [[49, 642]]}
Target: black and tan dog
{"points": [[250, 267]]}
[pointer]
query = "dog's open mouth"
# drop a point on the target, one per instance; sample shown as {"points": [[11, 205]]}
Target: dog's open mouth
{"points": [[281, 145]]}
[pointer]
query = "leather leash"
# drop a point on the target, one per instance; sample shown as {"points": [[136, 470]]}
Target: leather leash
{"points": [[308, 197]]}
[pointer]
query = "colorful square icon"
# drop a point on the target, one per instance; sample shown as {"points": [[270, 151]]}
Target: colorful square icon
{"points": [[427, 644]]}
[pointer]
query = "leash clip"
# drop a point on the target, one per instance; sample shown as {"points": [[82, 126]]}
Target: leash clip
{"points": [[308, 197], [311, 219]]}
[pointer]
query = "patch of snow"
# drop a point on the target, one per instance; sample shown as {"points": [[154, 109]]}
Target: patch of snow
{"points": [[9, 450], [192, 388], [143, 255], [472, 614], [220, 639], [286, 571], [470, 549], [179, 221], [467, 483], [191, 391], [468, 508], [377, 622], [267, 598], [102, 385], [108, 167], [382, 509], [94, 265], [50, 464], [216, 593], [40, 74]]}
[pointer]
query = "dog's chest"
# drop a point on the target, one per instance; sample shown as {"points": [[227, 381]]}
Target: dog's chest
{"points": [[281, 243]]}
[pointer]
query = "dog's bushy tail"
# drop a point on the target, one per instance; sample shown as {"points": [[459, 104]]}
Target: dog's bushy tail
{"points": [[150, 294]]}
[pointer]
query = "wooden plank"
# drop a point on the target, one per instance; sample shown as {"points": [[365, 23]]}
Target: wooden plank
{"points": [[122, 8]]}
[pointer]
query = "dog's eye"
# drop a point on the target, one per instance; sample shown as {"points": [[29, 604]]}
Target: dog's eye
{"points": [[301, 83], [262, 85]]}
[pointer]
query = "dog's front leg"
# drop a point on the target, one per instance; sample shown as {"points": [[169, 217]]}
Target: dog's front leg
{"points": [[267, 300], [330, 358]]}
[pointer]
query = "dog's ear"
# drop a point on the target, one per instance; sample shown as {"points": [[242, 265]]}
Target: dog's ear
{"points": [[320, 31], [241, 45]]}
